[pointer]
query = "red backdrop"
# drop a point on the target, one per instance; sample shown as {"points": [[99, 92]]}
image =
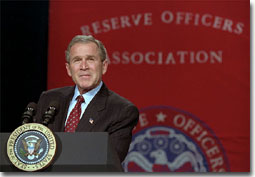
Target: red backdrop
{"points": [[190, 56]]}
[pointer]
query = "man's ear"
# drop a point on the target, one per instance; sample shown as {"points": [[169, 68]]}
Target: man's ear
{"points": [[105, 66], [68, 69]]}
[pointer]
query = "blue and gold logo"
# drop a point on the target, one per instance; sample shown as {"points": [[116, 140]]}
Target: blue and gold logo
{"points": [[31, 147]]}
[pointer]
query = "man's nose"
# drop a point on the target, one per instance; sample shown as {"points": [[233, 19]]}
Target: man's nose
{"points": [[84, 64]]}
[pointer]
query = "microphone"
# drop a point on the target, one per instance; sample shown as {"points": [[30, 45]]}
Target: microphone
{"points": [[29, 113], [49, 115]]}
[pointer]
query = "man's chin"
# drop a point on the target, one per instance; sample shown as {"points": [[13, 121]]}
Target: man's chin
{"points": [[85, 88]]}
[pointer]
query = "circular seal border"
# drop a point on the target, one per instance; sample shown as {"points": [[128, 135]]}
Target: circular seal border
{"points": [[45, 162], [144, 109]]}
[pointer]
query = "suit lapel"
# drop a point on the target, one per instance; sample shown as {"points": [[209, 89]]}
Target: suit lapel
{"points": [[67, 97], [92, 113]]}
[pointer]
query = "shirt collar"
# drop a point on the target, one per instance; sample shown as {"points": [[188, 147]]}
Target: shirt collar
{"points": [[88, 96]]}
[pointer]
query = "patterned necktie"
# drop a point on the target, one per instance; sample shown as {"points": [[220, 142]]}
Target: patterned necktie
{"points": [[74, 116]]}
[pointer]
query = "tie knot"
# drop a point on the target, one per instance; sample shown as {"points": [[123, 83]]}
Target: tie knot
{"points": [[80, 99]]}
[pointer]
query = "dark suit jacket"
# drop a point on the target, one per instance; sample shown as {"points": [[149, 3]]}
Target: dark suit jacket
{"points": [[111, 113]]}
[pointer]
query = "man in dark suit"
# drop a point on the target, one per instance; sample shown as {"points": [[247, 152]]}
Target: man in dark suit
{"points": [[90, 106]]}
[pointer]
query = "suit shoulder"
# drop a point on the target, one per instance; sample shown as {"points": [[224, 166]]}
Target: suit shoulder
{"points": [[116, 99]]}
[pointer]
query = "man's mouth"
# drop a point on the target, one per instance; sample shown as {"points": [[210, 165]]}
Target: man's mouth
{"points": [[85, 75]]}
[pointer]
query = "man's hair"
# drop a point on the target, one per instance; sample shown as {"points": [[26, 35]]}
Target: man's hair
{"points": [[86, 39]]}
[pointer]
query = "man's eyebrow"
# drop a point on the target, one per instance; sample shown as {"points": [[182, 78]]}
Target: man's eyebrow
{"points": [[76, 57]]}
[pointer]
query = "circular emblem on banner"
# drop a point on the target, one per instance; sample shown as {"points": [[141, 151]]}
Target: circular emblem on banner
{"points": [[31, 147], [170, 140]]}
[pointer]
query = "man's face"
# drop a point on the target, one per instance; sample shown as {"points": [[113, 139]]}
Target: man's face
{"points": [[86, 67]]}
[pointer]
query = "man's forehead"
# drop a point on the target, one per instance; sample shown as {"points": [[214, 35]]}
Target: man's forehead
{"points": [[84, 56], [84, 52]]}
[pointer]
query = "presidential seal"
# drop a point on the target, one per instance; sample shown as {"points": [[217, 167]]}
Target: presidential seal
{"points": [[31, 147], [167, 139]]}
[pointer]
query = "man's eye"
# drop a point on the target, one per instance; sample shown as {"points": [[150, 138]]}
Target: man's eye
{"points": [[76, 60], [91, 59]]}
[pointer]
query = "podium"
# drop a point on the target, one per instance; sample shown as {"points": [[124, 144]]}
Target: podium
{"points": [[76, 152]]}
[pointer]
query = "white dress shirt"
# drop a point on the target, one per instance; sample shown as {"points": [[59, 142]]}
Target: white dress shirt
{"points": [[88, 96]]}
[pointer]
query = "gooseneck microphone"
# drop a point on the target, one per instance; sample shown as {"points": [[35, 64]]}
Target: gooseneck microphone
{"points": [[30, 111], [49, 115]]}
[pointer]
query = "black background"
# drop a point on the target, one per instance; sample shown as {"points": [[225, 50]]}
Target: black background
{"points": [[24, 45]]}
